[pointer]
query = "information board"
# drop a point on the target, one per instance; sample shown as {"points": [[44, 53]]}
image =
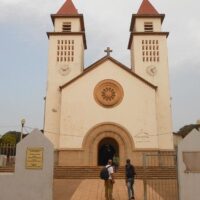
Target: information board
{"points": [[34, 158]]}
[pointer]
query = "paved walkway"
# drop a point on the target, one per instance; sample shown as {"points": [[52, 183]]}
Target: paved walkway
{"points": [[93, 189], [90, 189]]}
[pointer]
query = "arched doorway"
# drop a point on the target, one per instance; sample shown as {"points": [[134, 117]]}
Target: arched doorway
{"points": [[107, 148], [95, 137]]}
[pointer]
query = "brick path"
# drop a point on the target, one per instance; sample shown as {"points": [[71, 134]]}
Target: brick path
{"points": [[94, 190]]}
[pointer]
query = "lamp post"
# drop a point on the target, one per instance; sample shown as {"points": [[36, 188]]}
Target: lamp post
{"points": [[22, 126]]}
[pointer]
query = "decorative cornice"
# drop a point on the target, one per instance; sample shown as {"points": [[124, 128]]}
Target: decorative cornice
{"points": [[134, 16], [80, 16], [96, 64], [145, 33], [69, 33]]}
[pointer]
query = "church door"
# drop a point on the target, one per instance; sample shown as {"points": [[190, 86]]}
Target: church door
{"points": [[107, 148]]}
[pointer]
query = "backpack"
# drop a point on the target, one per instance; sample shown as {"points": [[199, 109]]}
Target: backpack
{"points": [[104, 173]]}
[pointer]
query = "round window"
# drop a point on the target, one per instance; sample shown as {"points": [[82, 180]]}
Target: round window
{"points": [[108, 93]]}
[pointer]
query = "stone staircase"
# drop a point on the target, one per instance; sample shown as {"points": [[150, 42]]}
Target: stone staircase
{"points": [[93, 172], [86, 172]]}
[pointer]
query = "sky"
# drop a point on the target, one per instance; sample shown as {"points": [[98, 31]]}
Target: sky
{"points": [[24, 50]]}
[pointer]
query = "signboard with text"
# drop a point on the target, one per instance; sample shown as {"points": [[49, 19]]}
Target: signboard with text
{"points": [[34, 158]]}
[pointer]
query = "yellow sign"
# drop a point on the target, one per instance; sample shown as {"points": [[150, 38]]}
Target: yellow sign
{"points": [[34, 158]]}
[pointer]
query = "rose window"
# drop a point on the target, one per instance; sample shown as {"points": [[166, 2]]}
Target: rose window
{"points": [[108, 93]]}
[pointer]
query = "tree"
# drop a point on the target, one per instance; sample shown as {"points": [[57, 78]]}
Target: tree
{"points": [[11, 137], [185, 130]]}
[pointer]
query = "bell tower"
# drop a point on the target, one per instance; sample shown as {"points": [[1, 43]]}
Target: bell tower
{"points": [[65, 61], [149, 59]]}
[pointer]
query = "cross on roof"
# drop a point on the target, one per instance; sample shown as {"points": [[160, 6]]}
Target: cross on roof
{"points": [[108, 51]]}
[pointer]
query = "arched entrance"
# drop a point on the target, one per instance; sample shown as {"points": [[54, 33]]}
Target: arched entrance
{"points": [[107, 148], [119, 138]]}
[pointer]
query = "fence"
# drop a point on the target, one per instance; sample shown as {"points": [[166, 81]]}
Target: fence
{"points": [[160, 159], [7, 155], [160, 176]]}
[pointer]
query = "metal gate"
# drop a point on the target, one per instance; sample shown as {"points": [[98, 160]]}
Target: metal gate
{"points": [[160, 176], [7, 155]]}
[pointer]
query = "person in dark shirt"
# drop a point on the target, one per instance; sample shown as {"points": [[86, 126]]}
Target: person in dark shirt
{"points": [[130, 176]]}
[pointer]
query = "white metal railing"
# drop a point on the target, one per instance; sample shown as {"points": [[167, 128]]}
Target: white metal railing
{"points": [[7, 155]]}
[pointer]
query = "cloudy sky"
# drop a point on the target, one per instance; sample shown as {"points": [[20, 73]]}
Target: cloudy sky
{"points": [[24, 47]]}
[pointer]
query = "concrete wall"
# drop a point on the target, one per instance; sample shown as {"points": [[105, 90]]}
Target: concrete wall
{"points": [[139, 24], [56, 78], [3, 159], [189, 180], [142, 112], [177, 139], [161, 76], [80, 112], [26, 183], [75, 24]]}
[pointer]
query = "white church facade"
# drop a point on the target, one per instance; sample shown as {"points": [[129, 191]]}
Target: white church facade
{"points": [[107, 108]]}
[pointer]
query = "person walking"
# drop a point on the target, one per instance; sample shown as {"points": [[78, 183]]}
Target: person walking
{"points": [[109, 183], [130, 176]]}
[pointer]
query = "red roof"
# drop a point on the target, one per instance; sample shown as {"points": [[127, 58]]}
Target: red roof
{"points": [[147, 8], [68, 8]]}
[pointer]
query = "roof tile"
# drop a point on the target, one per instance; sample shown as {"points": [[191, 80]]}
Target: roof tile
{"points": [[68, 8], [147, 8]]}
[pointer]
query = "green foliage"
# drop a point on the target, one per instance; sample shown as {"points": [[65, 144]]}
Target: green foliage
{"points": [[184, 131], [11, 137]]}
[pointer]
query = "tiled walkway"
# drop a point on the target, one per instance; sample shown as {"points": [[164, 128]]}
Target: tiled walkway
{"points": [[94, 190]]}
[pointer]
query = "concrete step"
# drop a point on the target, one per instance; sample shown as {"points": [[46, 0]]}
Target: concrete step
{"points": [[93, 172], [87, 172]]}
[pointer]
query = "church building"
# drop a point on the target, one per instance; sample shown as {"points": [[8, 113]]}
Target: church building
{"points": [[93, 113]]}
